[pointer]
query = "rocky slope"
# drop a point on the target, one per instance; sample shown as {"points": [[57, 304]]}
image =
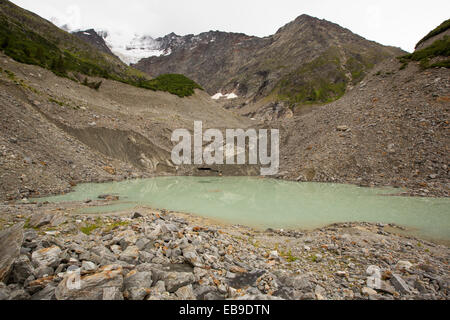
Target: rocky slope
{"points": [[392, 129], [152, 255], [56, 133], [306, 60]]}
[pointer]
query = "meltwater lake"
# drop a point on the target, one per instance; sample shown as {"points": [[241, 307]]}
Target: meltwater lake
{"points": [[269, 203]]}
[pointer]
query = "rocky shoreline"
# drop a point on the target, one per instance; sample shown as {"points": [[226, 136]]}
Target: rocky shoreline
{"points": [[54, 253]]}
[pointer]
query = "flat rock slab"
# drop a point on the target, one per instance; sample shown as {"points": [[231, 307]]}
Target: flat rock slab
{"points": [[10, 243], [105, 284]]}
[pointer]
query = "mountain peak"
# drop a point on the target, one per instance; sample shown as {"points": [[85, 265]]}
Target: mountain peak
{"points": [[94, 39]]}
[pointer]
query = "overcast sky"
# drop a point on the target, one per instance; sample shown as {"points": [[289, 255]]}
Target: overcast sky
{"points": [[390, 22]]}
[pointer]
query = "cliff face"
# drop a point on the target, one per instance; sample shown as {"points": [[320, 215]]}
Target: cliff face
{"points": [[94, 39], [307, 60]]}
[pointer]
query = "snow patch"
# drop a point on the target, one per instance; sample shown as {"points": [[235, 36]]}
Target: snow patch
{"points": [[217, 96], [131, 48], [228, 96]]}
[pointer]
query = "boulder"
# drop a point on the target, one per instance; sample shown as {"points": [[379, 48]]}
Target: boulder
{"points": [[175, 280], [11, 240], [47, 257], [185, 293], [400, 284], [403, 265], [40, 219], [102, 285], [48, 293], [22, 269], [88, 266], [191, 256], [112, 293], [137, 285], [102, 255], [130, 255]]}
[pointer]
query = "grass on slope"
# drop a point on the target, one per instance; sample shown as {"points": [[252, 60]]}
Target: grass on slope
{"points": [[323, 80], [176, 84], [29, 39], [442, 28], [439, 48]]}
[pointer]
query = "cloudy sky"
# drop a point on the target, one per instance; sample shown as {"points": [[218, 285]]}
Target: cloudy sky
{"points": [[391, 22]]}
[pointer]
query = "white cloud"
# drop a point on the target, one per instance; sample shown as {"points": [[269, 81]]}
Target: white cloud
{"points": [[374, 17]]}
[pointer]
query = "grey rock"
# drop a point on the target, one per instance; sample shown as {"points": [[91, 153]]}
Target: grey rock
{"points": [[5, 292], [320, 293], [101, 255], [130, 255], [137, 284], [58, 220], [40, 220], [47, 257], [48, 293], [22, 269], [9, 253], [176, 280], [403, 265], [112, 294], [145, 257], [300, 282], [399, 284], [144, 244], [159, 288], [92, 287], [19, 294], [368, 291], [186, 293], [88, 266], [192, 257], [379, 285], [136, 215]]}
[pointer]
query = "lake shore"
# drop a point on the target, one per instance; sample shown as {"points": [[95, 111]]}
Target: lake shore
{"points": [[157, 255]]}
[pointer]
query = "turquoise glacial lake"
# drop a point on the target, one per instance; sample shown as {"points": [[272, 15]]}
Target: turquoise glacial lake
{"points": [[269, 203]]}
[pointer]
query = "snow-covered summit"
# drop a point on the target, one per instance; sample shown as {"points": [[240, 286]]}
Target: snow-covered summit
{"points": [[131, 48]]}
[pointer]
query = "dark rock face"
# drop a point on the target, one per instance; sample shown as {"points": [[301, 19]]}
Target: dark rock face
{"points": [[10, 243], [301, 54], [93, 38]]}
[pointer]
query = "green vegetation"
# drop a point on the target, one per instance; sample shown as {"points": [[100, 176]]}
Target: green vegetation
{"points": [[320, 81], [11, 75], [99, 224], [442, 28], [61, 104], [87, 230], [326, 78], [440, 48], [93, 85], [288, 256], [27, 38], [176, 84], [116, 225], [28, 47]]}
